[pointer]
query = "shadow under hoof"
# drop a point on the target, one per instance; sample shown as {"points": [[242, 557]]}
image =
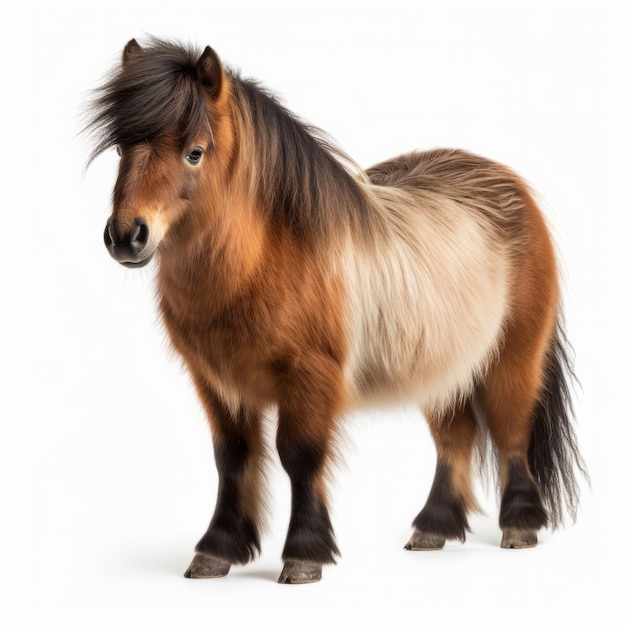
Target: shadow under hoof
{"points": [[421, 541], [514, 538], [300, 572], [204, 566]]}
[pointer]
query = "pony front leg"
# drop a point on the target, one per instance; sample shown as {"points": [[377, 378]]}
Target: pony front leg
{"points": [[310, 539], [305, 433], [233, 533]]}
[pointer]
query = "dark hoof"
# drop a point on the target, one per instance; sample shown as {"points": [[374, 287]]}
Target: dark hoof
{"points": [[204, 566], [514, 538], [424, 541], [300, 572]]}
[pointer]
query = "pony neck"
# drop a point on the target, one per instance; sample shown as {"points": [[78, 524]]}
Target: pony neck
{"points": [[296, 174]]}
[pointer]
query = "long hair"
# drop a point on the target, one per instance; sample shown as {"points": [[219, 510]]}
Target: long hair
{"points": [[553, 455]]}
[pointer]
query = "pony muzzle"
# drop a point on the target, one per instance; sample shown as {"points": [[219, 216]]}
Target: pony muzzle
{"points": [[135, 248]]}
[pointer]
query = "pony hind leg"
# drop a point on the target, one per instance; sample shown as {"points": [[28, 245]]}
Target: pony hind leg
{"points": [[451, 498], [516, 388], [509, 397], [233, 535]]}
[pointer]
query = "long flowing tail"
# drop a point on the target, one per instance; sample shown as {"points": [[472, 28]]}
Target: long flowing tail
{"points": [[554, 457]]}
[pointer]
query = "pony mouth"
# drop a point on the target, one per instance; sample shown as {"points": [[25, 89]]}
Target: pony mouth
{"points": [[137, 264]]}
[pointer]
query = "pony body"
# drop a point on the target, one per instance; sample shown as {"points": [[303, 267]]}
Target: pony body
{"points": [[406, 340], [288, 277]]}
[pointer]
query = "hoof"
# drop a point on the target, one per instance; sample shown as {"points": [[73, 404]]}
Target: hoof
{"points": [[300, 572], [204, 566], [514, 538], [424, 541]]}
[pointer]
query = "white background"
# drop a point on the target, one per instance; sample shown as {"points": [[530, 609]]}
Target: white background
{"points": [[106, 469]]}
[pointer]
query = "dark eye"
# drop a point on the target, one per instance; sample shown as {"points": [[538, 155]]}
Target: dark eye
{"points": [[194, 156], [118, 150]]}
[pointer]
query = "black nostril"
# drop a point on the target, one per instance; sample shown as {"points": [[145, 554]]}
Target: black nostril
{"points": [[139, 235], [109, 236]]}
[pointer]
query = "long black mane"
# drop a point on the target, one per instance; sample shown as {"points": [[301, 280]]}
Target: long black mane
{"points": [[303, 175]]}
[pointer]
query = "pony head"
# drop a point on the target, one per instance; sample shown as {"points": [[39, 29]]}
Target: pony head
{"points": [[161, 109]]}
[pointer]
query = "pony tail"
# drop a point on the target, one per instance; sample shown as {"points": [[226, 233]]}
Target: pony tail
{"points": [[553, 455]]}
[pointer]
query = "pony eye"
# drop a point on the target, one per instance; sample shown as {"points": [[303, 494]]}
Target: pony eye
{"points": [[118, 150], [194, 156]]}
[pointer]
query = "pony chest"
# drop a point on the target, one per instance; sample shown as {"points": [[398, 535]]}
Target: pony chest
{"points": [[217, 339], [224, 348]]}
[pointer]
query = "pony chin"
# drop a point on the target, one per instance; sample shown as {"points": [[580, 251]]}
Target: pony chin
{"points": [[138, 264]]}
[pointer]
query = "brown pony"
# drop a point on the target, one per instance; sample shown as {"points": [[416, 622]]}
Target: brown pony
{"points": [[290, 278]]}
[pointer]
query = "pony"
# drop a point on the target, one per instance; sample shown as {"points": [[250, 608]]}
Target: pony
{"points": [[289, 279]]}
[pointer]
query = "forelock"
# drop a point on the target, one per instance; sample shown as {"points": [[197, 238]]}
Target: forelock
{"points": [[154, 92]]}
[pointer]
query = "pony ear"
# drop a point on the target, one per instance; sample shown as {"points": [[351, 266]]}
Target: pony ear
{"points": [[209, 72], [131, 48]]}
